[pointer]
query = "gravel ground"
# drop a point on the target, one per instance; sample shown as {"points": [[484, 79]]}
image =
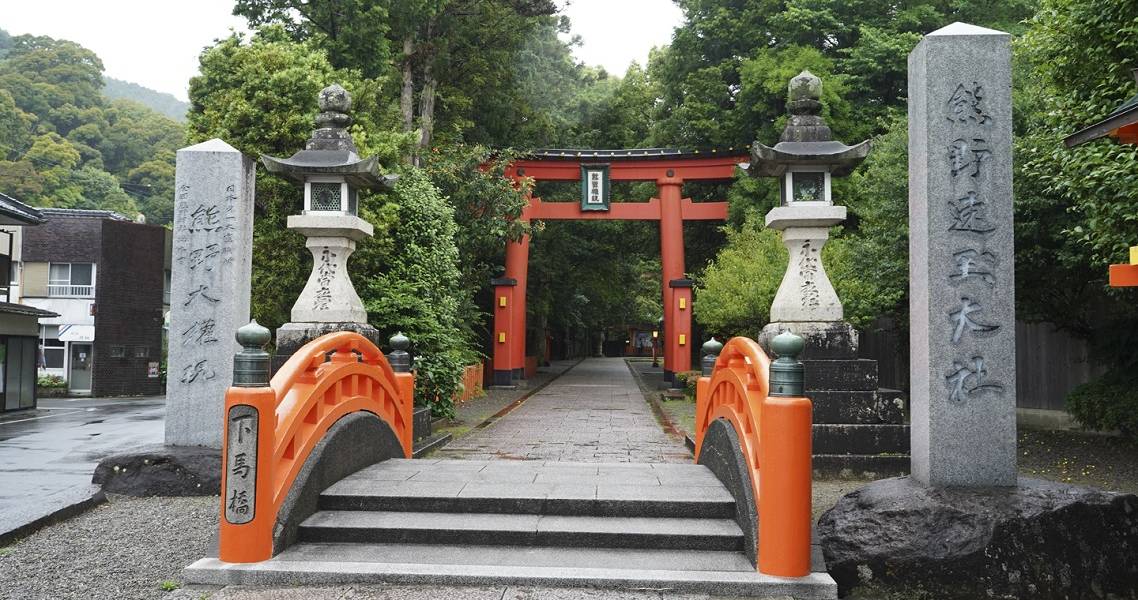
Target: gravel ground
{"points": [[124, 549], [1103, 461]]}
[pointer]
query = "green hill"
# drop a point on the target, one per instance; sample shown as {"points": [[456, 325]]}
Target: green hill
{"points": [[157, 101]]}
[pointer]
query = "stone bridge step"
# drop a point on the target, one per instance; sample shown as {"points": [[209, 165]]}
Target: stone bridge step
{"points": [[534, 488], [691, 571], [522, 530]]}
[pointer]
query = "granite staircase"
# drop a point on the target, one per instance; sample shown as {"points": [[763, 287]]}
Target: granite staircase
{"points": [[615, 526]]}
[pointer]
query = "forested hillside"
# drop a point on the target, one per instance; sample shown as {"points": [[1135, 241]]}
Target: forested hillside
{"points": [[160, 102], [64, 144]]}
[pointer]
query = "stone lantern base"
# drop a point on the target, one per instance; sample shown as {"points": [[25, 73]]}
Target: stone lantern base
{"points": [[825, 340], [292, 336], [859, 429]]}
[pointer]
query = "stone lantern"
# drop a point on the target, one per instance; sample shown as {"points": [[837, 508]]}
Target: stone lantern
{"points": [[805, 160], [332, 175]]}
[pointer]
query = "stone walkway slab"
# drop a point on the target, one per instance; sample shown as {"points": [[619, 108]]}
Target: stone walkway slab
{"points": [[595, 412]]}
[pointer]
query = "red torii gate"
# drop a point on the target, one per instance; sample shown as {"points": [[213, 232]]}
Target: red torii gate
{"points": [[669, 168]]}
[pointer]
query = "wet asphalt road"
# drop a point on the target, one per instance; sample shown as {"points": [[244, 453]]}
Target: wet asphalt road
{"points": [[47, 456]]}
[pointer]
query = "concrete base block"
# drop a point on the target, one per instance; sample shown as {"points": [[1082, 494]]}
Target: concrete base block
{"points": [[860, 439], [330, 572], [503, 377], [860, 466], [885, 407]]}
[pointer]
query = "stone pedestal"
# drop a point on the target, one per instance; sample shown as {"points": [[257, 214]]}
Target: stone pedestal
{"points": [[805, 294], [825, 340], [292, 336], [859, 429]]}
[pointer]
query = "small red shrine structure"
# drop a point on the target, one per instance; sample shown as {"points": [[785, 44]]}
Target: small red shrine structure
{"points": [[596, 169]]}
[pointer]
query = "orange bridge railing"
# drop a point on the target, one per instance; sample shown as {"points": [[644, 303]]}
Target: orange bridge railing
{"points": [[272, 430], [774, 435]]}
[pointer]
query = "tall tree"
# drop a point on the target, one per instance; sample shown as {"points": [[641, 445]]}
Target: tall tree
{"points": [[440, 43]]}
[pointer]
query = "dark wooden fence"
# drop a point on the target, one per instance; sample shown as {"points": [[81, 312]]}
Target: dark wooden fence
{"points": [[1049, 363]]}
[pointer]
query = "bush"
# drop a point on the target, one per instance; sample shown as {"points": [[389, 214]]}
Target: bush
{"points": [[687, 380], [51, 381], [419, 290], [1108, 403]]}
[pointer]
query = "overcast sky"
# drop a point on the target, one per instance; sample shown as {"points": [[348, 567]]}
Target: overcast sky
{"points": [[156, 43]]}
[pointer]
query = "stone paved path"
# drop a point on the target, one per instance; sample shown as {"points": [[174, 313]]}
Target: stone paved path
{"points": [[593, 413]]}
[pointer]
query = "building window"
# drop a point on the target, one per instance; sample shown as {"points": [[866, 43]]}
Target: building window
{"points": [[71, 280], [141, 351], [118, 351], [52, 351], [166, 287]]}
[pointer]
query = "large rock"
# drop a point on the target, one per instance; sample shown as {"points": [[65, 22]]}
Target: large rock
{"points": [[162, 471], [1039, 539]]}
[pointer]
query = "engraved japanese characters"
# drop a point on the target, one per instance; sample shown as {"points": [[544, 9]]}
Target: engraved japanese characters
{"points": [[962, 343], [211, 269]]}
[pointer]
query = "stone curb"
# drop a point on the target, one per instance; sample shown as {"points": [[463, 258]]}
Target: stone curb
{"points": [[92, 499]]}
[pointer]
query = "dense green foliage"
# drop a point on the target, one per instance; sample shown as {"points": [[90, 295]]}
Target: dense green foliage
{"points": [[1076, 208], [64, 144], [420, 290], [736, 291], [724, 80]]}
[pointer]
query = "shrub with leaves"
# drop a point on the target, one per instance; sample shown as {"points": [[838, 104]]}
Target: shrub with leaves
{"points": [[1106, 404], [418, 290]]}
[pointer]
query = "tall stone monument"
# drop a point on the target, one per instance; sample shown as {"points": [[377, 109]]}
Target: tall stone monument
{"points": [[962, 275], [858, 428], [209, 287], [332, 175]]}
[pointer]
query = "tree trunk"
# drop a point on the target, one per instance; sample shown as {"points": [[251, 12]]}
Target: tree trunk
{"points": [[427, 94], [427, 107], [407, 98]]}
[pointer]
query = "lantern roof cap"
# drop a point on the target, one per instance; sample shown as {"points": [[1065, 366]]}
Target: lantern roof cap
{"points": [[773, 162], [806, 139], [330, 150]]}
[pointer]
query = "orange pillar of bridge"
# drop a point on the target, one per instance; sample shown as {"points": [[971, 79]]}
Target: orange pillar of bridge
{"points": [[503, 333], [676, 357]]}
